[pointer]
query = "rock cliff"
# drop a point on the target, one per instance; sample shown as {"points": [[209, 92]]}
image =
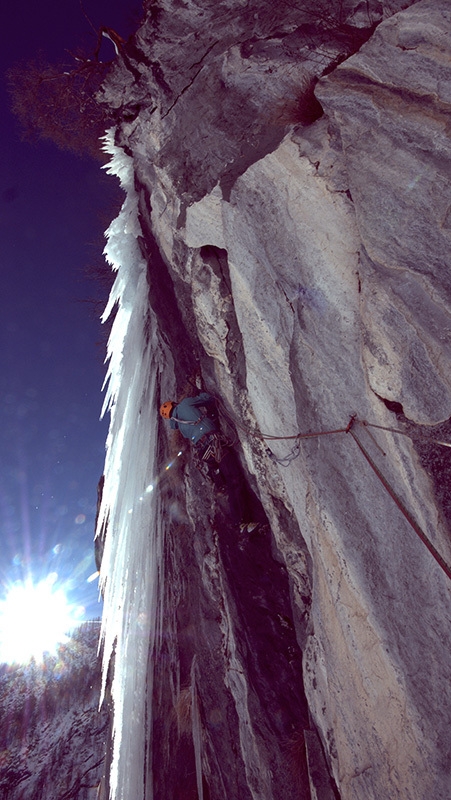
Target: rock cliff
{"points": [[292, 179], [53, 740]]}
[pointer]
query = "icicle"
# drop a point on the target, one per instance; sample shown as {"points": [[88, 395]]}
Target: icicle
{"points": [[131, 564]]}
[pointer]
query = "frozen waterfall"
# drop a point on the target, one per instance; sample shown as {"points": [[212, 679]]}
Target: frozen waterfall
{"points": [[131, 566]]}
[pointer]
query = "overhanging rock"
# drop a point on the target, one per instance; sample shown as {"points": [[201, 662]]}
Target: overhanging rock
{"points": [[298, 269]]}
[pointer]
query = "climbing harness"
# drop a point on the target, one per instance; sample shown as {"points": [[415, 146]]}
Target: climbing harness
{"points": [[189, 421]]}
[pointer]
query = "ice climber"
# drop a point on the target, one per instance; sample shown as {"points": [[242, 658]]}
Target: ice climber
{"points": [[197, 420]]}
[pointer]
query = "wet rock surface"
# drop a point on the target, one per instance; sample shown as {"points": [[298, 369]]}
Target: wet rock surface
{"points": [[298, 270]]}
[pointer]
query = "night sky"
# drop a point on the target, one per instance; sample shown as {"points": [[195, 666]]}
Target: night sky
{"points": [[54, 207]]}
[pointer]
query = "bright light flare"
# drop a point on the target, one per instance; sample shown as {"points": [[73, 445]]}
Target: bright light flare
{"points": [[168, 466], [34, 619]]}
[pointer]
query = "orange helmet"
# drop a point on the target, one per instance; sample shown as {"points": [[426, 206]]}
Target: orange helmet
{"points": [[166, 409]]}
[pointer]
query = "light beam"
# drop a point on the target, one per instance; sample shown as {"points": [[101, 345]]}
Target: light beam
{"points": [[34, 619]]}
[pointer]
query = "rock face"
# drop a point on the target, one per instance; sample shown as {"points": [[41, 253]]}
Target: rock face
{"points": [[53, 738], [391, 105], [298, 251]]}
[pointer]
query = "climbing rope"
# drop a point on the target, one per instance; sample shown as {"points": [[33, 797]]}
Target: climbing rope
{"points": [[350, 428], [426, 541], [285, 461], [404, 433], [259, 435]]}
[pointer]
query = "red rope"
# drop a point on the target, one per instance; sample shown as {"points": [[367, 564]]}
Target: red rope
{"points": [[404, 433], [412, 522], [349, 429]]}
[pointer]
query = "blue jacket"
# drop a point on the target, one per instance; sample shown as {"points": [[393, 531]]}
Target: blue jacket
{"points": [[191, 418]]}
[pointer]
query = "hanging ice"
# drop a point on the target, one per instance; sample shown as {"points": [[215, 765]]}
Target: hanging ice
{"points": [[131, 563]]}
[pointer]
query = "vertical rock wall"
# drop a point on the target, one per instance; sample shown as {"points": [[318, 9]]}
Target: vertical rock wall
{"points": [[299, 269]]}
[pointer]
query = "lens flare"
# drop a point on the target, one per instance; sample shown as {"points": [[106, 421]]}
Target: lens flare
{"points": [[34, 619], [166, 468]]}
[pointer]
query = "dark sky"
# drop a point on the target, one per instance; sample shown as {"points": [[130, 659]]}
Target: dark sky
{"points": [[54, 207]]}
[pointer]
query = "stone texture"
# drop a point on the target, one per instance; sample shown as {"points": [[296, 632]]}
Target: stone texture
{"points": [[259, 62], [54, 740], [300, 272], [391, 103]]}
